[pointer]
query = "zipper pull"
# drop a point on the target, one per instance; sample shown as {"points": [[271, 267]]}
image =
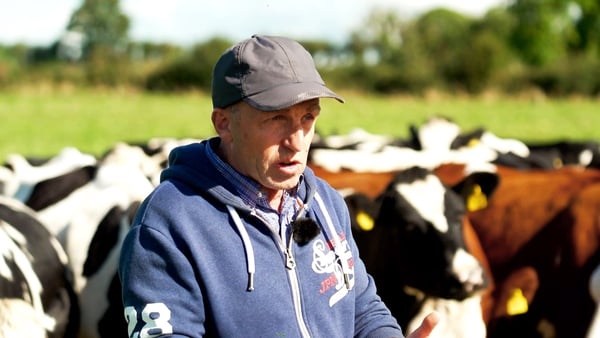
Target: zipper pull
{"points": [[290, 263], [347, 281]]}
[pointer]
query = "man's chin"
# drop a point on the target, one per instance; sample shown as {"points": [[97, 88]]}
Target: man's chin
{"points": [[287, 184]]}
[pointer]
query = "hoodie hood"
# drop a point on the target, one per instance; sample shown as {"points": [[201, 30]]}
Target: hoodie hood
{"points": [[191, 166]]}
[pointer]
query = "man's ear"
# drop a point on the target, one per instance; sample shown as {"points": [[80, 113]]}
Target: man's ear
{"points": [[221, 119]]}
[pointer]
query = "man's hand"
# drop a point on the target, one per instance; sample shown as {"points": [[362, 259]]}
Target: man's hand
{"points": [[427, 325]]}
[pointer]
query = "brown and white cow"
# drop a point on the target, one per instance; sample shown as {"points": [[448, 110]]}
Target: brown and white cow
{"points": [[548, 220], [540, 217]]}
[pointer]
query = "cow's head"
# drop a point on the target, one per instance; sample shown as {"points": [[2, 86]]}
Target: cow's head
{"points": [[419, 235]]}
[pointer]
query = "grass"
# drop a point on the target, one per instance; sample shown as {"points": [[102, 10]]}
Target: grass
{"points": [[523, 118], [40, 122]]}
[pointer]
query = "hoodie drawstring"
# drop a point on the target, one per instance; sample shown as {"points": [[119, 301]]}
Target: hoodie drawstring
{"points": [[337, 246], [337, 243], [247, 246]]}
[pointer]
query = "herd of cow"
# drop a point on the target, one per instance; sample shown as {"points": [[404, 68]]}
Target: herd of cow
{"points": [[500, 236]]}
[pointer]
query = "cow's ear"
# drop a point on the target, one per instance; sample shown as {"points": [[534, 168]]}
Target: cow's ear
{"points": [[390, 209], [363, 210], [415, 142], [477, 188]]}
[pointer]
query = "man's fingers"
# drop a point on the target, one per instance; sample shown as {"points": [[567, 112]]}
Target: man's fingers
{"points": [[427, 325]]}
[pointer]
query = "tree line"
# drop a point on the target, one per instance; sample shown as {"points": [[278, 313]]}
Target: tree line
{"points": [[548, 45]]}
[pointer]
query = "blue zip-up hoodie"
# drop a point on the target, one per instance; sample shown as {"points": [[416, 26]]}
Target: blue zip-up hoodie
{"points": [[199, 262]]}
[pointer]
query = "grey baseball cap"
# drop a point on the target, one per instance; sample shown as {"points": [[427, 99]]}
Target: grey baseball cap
{"points": [[267, 72]]}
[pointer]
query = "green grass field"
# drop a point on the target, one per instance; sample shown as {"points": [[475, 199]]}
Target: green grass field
{"points": [[42, 122]]}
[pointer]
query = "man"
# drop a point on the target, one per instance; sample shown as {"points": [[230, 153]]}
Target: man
{"points": [[240, 239]]}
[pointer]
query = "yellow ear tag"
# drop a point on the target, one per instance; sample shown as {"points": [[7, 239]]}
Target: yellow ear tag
{"points": [[365, 222], [473, 142], [476, 199], [557, 163], [517, 303]]}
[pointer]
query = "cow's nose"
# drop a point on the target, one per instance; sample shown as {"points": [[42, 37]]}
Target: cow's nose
{"points": [[468, 271]]}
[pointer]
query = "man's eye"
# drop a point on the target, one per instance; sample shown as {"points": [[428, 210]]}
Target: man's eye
{"points": [[309, 117]]}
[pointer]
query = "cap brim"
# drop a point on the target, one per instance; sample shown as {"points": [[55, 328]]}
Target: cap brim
{"points": [[285, 96]]}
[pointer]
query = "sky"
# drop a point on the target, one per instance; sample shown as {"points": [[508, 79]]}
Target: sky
{"points": [[184, 22]]}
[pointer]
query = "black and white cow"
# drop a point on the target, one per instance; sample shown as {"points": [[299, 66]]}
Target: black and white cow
{"points": [[567, 153], [36, 293], [442, 133], [20, 175], [91, 222], [88, 204], [149, 157], [429, 147], [416, 250]]}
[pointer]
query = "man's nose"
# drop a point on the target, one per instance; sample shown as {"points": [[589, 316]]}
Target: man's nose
{"points": [[295, 138]]}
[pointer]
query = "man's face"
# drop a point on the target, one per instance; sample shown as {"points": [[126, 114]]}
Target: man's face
{"points": [[270, 147]]}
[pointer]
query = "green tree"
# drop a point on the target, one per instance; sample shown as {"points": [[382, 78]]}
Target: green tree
{"points": [[380, 62], [12, 61], [543, 30], [103, 25], [193, 70], [380, 38], [443, 35], [487, 57], [588, 24]]}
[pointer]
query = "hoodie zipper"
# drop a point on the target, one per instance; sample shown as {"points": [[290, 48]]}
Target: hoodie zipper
{"points": [[285, 245], [290, 264]]}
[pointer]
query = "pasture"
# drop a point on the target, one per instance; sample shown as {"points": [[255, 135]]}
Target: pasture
{"points": [[41, 121]]}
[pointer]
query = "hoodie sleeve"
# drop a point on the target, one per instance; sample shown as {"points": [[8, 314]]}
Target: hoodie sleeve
{"points": [[373, 318], [160, 295]]}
